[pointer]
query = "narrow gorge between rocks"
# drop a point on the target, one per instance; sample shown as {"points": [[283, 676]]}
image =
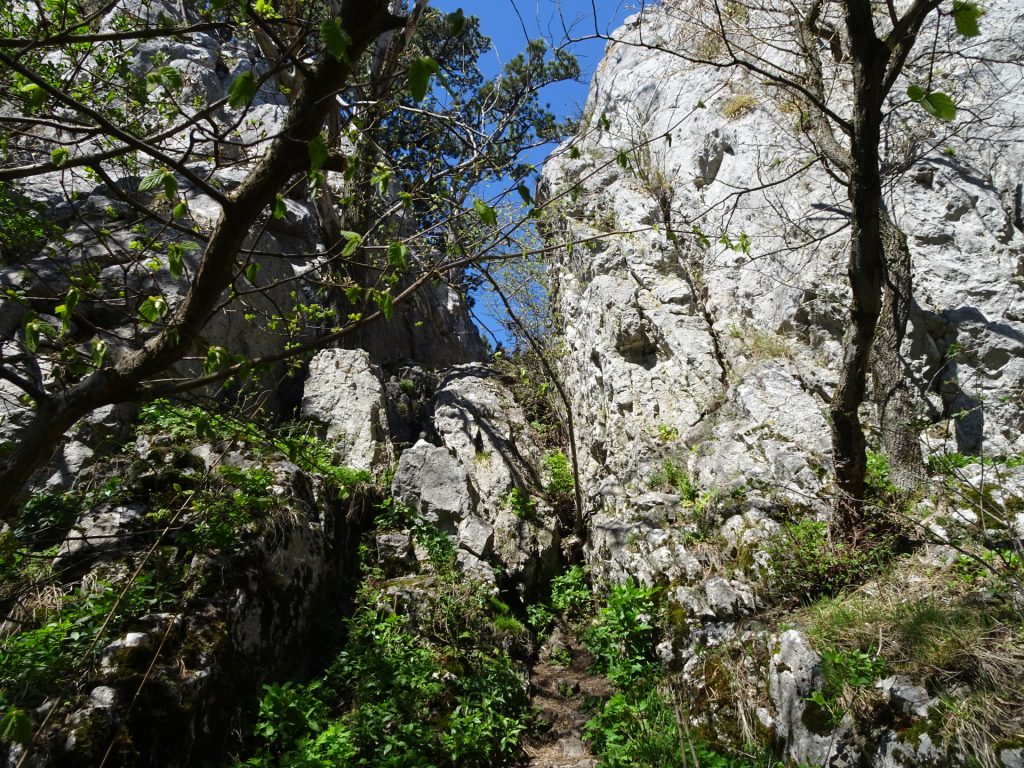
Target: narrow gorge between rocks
{"points": [[738, 484]]}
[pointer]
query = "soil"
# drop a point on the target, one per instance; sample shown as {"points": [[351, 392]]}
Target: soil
{"points": [[563, 695]]}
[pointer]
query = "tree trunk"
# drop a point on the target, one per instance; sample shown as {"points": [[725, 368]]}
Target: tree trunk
{"points": [[864, 269], [893, 398]]}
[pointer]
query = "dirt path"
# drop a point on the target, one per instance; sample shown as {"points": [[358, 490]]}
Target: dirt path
{"points": [[560, 694]]}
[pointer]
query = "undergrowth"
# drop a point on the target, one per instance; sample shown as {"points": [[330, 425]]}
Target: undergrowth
{"points": [[424, 679]]}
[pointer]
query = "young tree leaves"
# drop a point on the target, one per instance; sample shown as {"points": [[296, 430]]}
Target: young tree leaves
{"points": [[216, 358], [59, 156], [965, 15], [486, 213], [420, 71], [318, 153], [36, 96], [352, 241], [161, 177], [99, 353], [152, 309], [176, 256], [34, 328], [336, 39], [242, 90], [398, 256], [166, 76], [935, 103], [63, 311]]}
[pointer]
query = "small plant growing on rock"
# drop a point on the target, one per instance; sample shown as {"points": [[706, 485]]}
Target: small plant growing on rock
{"points": [[808, 565], [738, 105], [520, 504], [668, 433]]}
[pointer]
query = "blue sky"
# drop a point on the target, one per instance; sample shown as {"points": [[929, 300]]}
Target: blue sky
{"points": [[510, 24]]}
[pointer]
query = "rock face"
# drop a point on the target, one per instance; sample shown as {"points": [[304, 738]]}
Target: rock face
{"points": [[344, 392], [727, 337], [477, 483], [703, 347]]}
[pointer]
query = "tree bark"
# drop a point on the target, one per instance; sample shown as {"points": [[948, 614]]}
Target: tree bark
{"points": [[893, 398], [864, 268]]}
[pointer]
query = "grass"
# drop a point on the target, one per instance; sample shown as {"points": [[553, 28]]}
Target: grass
{"points": [[965, 645], [738, 105]]}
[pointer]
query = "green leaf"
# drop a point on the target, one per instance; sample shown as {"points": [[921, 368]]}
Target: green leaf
{"points": [[380, 178], [352, 241], [32, 335], [168, 77], [99, 352], [318, 153], [524, 192], [250, 272], [336, 39], [152, 180], [242, 90], [175, 260], [456, 22], [420, 70], [574, 153], [153, 308], [939, 105], [935, 103], [622, 159], [398, 256], [16, 726], [266, 9], [216, 358], [59, 156], [36, 95], [385, 303], [702, 239], [170, 185], [180, 210], [965, 16], [487, 214], [280, 209], [34, 328], [64, 311]]}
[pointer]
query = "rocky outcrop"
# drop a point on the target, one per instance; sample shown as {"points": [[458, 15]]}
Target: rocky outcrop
{"points": [[481, 481], [702, 319], [727, 334]]}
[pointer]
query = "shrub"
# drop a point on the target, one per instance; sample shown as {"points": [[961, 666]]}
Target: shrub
{"points": [[560, 480], [571, 594], [672, 477], [807, 565], [520, 504], [622, 636], [429, 687]]}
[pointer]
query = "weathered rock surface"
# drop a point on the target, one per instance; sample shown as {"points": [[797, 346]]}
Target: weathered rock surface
{"points": [[701, 365], [464, 484], [344, 392], [735, 349]]}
